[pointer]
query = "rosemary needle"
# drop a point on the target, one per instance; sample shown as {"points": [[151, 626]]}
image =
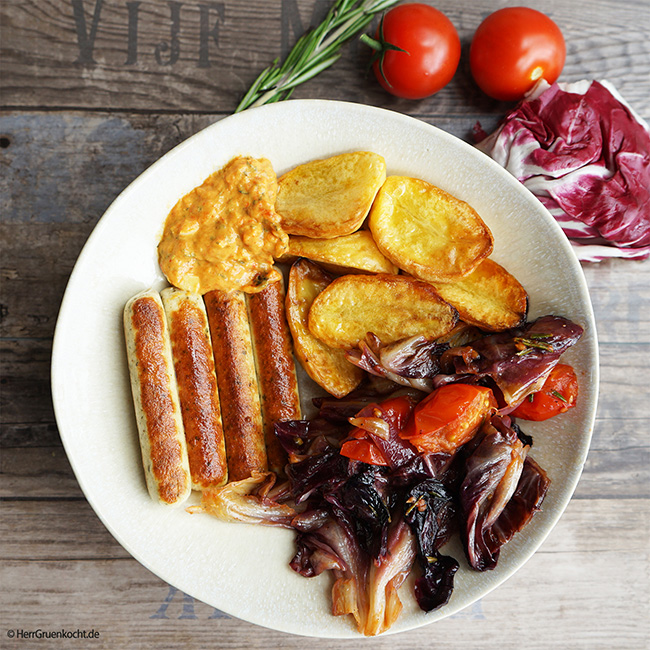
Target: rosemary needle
{"points": [[314, 51]]}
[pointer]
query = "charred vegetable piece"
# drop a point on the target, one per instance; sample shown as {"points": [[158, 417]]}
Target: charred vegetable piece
{"points": [[429, 510], [558, 394], [449, 417], [517, 361], [492, 474], [379, 425]]}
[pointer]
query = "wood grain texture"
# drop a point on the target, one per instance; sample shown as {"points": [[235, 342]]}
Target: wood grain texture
{"points": [[80, 119], [52, 60], [139, 607]]}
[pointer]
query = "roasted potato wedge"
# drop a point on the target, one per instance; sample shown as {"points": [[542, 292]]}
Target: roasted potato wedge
{"points": [[489, 297], [340, 255], [327, 366], [427, 232], [390, 306], [331, 197]]}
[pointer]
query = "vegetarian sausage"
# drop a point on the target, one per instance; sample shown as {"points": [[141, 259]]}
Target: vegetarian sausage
{"points": [[155, 397], [197, 386], [276, 369], [238, 389]]}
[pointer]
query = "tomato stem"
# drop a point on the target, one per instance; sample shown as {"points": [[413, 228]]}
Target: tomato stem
{"points": [[381, 46]]}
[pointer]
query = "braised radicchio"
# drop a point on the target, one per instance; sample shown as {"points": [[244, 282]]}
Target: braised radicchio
{"points": [[430, 510], [586, 155], [501, 490], [517, 361], [370, 525]]}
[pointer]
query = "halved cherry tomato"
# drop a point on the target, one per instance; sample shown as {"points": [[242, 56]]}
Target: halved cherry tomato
{"points": [[448, 417], [512, 49], [395, 411], [418, 50], [558, 394]]}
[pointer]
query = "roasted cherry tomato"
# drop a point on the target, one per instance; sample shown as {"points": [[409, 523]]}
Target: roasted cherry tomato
{"points": [[395, 412], [449, 417], [512, 49], [364, 450], [417, 51], [558, 394]]}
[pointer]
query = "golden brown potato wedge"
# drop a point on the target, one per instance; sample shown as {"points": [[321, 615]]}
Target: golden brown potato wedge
{"points": [[392, 307], [340, 255], [330, 197], [327, 366], [427, 232], [489, 297]]}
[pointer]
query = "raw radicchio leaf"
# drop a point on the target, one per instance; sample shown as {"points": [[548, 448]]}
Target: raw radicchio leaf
{"points": [[586, 155]]}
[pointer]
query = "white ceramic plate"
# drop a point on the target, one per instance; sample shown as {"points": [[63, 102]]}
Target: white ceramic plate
{"points": [[241, 569]]}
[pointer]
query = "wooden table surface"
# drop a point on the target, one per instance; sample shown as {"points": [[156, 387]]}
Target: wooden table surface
{"points": [[93, 92]]}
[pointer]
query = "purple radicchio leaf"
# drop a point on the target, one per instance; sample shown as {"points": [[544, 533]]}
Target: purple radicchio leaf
{"points": [[517, 361], [430, 511], [366, 497], [492, 474], [385, 577], [525, 502], [410, 362], [322, 472], [585, 154]]}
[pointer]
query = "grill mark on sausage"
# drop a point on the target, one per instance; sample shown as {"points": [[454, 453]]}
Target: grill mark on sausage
{"points": [[238, 390], [276, 370], [198, 395]]}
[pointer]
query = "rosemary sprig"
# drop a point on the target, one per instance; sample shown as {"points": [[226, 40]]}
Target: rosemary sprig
{"points": [[314, 51], [526, 345]]}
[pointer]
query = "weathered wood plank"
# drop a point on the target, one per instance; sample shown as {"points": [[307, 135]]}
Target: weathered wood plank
{"points": [[53, 201], [53, 58], [49, 529], [37, 472], [589, 585], [617, 467], [26, 399], [52, 528], [25, 370]]}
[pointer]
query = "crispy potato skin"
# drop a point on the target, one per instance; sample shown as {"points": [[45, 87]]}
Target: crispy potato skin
{"points": [[489, 297], [340, 255], [327, 366], [392, 307], [427, 232], [276, 370], [330, 197]]}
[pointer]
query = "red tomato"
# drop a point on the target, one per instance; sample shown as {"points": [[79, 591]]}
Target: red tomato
{"points": [[448, 417], [360, 445], [364, 450], [430, 56], [558, 394], [513, 48]]}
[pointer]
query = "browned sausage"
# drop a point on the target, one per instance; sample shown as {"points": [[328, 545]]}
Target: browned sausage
{"points": [[155, 397], [197, 387], [238, 391], [276, 369]]}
